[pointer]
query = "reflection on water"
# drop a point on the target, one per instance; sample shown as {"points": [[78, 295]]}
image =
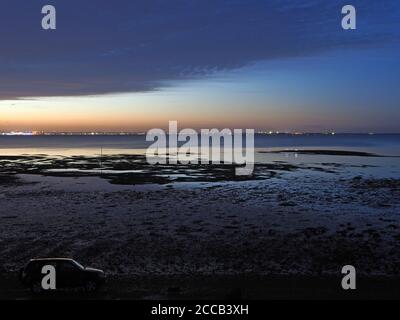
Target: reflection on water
{"points": [[388, 145], [349, 166]]}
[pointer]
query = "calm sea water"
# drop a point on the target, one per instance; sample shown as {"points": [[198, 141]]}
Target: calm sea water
{"points": [[386, 144]]}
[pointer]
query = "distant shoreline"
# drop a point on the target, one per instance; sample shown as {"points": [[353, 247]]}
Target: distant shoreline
{"points": [[47, 134]]}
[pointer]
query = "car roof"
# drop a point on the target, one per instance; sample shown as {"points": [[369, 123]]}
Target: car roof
{"points": [[50, 259]]}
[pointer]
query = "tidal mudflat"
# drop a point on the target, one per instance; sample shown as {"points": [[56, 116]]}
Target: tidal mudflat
{"points": [[181, 223]]}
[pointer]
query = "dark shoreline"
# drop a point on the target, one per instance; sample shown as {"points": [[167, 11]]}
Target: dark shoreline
{"points": [[217, 287], [329, 153]]}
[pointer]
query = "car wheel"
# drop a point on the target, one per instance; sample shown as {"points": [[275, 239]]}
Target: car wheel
{"points": [[90, 286], [36, 288]]}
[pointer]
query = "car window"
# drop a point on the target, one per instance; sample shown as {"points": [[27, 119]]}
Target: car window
{"points": [[78, 264], [37, 266], [67, 267]]}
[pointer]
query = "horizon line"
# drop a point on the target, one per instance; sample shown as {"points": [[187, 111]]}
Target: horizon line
{"points": [[101, 133]]}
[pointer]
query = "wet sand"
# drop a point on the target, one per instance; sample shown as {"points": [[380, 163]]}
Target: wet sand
{"points": [[291, 229]]}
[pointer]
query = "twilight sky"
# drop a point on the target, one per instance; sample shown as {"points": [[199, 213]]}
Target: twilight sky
{"points": [[133, 65]]}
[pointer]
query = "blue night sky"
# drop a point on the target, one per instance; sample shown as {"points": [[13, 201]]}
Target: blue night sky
{"points": [[134, 65]]}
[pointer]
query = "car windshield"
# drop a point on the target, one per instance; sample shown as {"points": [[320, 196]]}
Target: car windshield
{"points": [[78, 264]]}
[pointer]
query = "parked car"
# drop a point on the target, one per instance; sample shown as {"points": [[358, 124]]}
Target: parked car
{"points": [[69, 274]]}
